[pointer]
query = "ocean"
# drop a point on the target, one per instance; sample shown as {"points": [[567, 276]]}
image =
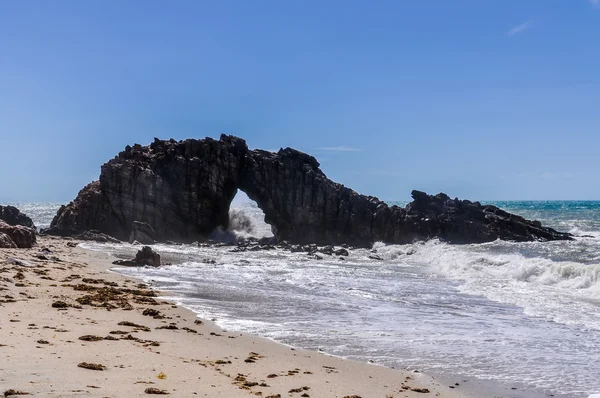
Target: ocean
{"points": [[522, 315]]}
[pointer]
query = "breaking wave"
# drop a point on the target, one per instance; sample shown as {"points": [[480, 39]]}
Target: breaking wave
{"points": [[246, 220], [565, 291]]}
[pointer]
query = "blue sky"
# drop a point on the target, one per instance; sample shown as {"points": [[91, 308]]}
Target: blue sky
{"points": [[480, 99]]}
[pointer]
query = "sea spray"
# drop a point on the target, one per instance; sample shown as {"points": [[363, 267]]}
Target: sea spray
{"points": [[243, 224]]}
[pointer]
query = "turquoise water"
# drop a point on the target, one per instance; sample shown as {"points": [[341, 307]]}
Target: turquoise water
{"points": [[571, 216], [561, 215]]}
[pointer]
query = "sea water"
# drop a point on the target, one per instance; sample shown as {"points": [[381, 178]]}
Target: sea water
{"points": [[524, 315]]}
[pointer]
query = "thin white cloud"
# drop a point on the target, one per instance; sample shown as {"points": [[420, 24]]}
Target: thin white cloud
{"points": [[525, 26], [340, 149], [595, 3]]}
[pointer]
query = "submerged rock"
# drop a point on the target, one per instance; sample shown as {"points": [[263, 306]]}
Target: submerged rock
{"points": [[183, 191]]}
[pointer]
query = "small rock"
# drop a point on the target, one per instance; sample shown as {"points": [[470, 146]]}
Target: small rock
{"points": [[11, 392], [89, 337], [147, 256], [151, 312], [128, 263], [341, 252], [59, 304], [91, 366], [16, 261], [154, 390]]}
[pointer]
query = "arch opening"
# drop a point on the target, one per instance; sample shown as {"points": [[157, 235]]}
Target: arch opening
{"points": [[246, 221]]}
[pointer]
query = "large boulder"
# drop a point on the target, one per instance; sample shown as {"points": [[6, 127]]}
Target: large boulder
{"points": [[13, 216], [22, 237], [142, 232], [147, 256], [6, 242], [183, 190]]}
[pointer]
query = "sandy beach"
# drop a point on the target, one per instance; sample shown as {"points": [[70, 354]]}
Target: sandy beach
{"points": [[69, 327]]}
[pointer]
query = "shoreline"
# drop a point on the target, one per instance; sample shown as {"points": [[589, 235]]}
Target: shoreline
{"points": [[42, 343]]}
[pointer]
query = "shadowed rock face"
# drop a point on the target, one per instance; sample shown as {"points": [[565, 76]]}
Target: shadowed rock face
{"points": [[142, 232], [16, 236], [6, 242], [16, 229], [183, 190]]}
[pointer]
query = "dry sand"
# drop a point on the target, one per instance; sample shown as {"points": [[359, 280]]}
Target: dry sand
{"points": [[173, 352]]}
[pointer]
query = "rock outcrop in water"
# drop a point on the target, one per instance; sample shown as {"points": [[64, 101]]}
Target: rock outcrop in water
{"points": [[147, 256], [183, 190]]}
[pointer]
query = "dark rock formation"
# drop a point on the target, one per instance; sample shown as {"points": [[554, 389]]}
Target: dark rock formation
{"points": [[463, 221], [13, 216], [142, 232], [88, 211], [96, 236], [6, 242], [22, 237], [183, 191], [147, 256]]}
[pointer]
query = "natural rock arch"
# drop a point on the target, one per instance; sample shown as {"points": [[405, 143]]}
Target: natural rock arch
{"points": [[183, 189]]}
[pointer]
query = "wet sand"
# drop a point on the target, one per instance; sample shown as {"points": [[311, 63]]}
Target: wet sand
{"points": [[71, 328]]}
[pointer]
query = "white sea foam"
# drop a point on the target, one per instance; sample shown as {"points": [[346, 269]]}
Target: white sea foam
{"points": [[563, 291], [581, 232]]}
